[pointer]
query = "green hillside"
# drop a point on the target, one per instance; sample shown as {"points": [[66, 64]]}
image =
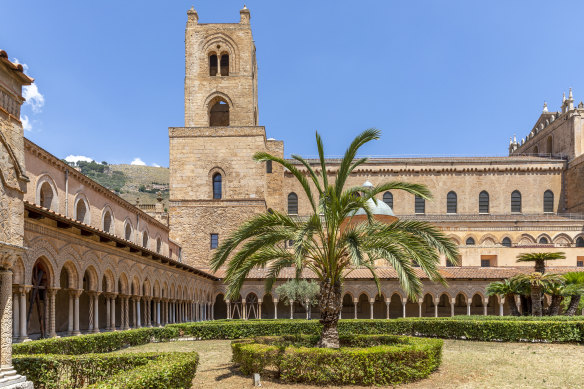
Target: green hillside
{"points": [[131, 182]]}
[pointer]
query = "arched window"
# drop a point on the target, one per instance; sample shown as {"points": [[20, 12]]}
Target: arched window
{"points": [[128, 232], [543, 240], [470, 241], [516, 201], [81, 211], [292, 204], [580, 242], [158, 245], [484, 202], [213, 65], [145, 239], [107, 222], [549, 144], [419, 205], [219, 114], [217, 186], [548, 201], [506, 242], [225, 64], [451, 202], [388, 199], [46, 196]]}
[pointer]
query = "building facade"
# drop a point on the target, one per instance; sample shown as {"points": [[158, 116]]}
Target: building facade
{"points": [[494, 208]]}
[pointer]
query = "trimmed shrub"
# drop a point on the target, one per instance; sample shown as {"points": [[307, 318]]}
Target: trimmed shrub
{"points": [[96, 343], [361, 360], [483, 328], [77, 371], [173, 371]]}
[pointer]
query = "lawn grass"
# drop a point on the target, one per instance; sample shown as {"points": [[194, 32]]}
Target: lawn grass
{"points": [[465, 365]]}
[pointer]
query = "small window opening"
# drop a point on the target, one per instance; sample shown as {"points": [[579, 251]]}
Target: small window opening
{"points": [[225, 65], [214, 241], [219, 114], [212, 65]]}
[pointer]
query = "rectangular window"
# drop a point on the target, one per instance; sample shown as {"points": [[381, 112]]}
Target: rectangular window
{"points": [[488, 260], [420, 205], [449, 263], [580, 261], [268, 166], [214, 241]]}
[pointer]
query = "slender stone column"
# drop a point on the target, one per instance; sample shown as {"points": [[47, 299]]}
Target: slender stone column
{"points": [[355, 302], [22, 321], [158, 313], [420, 308], [485, 303], [91, 308], [452, 301], [244, 310], [70, 325], [95, 312], [212, 308], [468, 308], [387, 302], [371, 302], [138, 314], [113, 313], [501, 303], [76, 294], [404, 302], [52, 295], [126, 301], [108, 311], [436, 301], [15, 315], [291, 309], [275, 308]]}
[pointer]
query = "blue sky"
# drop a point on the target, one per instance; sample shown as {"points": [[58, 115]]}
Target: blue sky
{"points": [[437, 77]]}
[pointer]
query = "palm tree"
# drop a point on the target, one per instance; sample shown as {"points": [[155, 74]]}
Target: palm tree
{"points": [[538, 283], [523, 289], [329, 242], [557, 291], [508, 289], [539, 259], [574, 288]]}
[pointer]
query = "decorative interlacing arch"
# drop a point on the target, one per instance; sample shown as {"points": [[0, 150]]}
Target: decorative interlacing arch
{"points": [[227, 44]]}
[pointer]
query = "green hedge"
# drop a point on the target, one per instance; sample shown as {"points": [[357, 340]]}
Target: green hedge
{"points": [[76, 371], [173, 371], [473, 328], [361, 360], [96, 343]]}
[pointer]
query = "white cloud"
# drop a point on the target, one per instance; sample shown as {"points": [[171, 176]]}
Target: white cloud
{"points": [[33, 97], [138, 161], [77, 158], [26, 124], [24, 66], [155, 165]]}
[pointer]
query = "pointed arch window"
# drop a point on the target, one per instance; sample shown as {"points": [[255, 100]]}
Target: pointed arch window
{"points": [[81, 212], [107, 222], [213, 65], [506, 242], [470, 241], [292, 204], [128, 232], [145, 239], [484, 202], [158, 245], [388, 199], [451, 202], [219, 114], [217, 186], [580, 242], [516, 201], [543, 240], [548, 201], [224, 64], [47, 197]]}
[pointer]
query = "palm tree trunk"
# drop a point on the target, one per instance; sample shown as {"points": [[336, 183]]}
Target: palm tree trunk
{"points": [[574, 303], [525, 304], [536, 307], [554, 309], [540, 266], [512, 304], [330, 307]]}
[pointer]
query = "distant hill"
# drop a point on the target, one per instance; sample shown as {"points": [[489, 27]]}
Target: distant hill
{"points": [[130, 182]]}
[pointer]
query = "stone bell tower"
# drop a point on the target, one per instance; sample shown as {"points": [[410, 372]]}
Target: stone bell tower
{"points": [[215, 184]]}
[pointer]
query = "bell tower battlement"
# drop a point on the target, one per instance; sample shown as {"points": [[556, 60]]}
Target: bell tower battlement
{"points": [[220, 73]]}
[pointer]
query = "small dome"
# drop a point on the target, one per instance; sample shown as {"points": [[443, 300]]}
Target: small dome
{"points": [[376, 209]]}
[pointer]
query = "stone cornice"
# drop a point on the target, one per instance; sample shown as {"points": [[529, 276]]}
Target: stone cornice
{"points": [[202, 132]]}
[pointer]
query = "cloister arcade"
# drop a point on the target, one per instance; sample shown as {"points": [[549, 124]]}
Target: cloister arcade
{"points": [[360, 301], [66, 288]]}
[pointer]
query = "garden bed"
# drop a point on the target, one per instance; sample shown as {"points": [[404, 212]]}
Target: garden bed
{"points": [[361, 359]]}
